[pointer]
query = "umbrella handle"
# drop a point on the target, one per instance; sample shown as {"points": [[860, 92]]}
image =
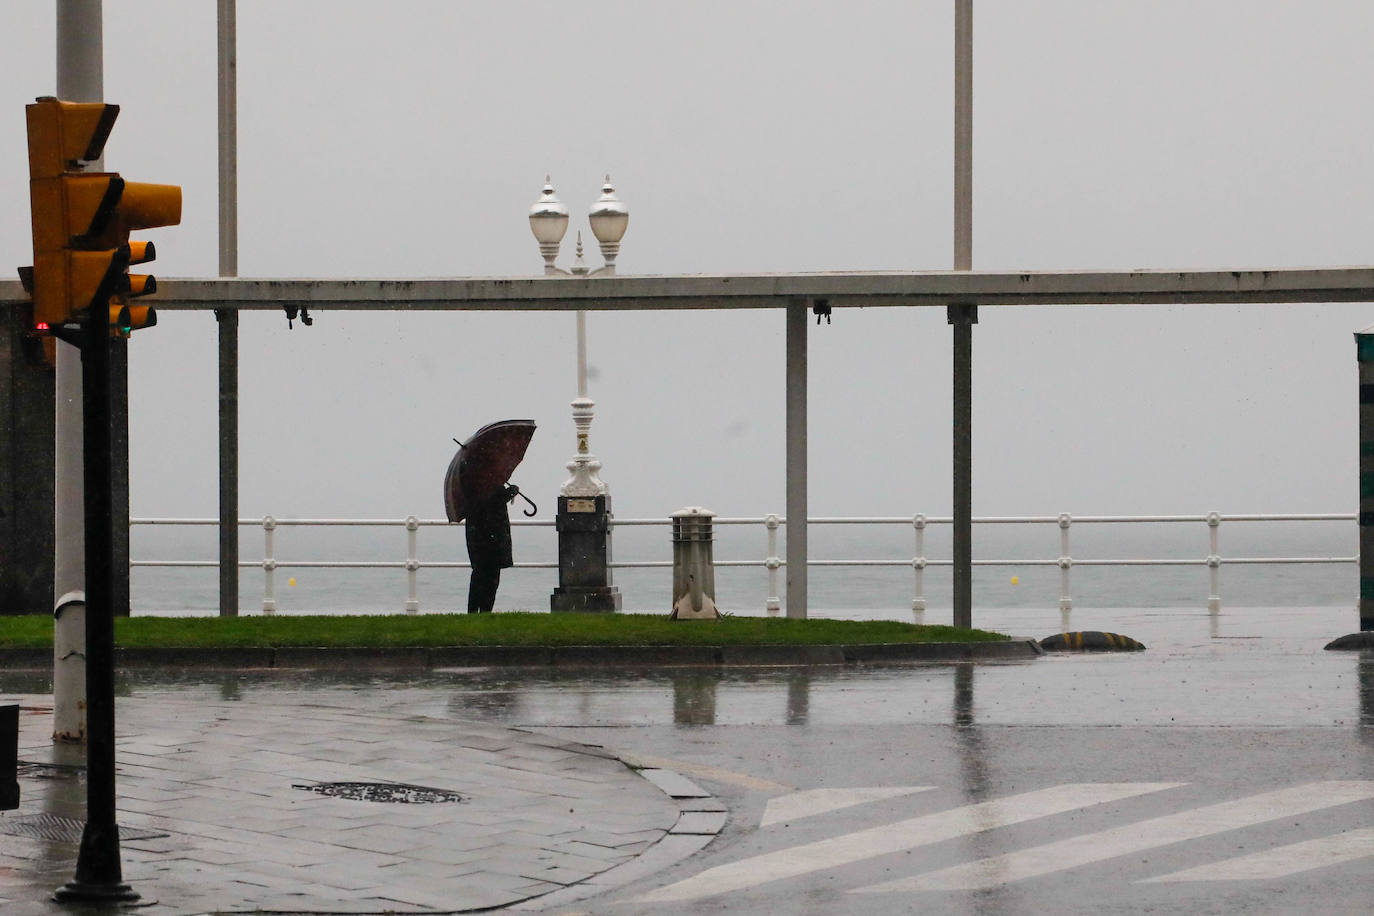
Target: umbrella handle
{"points": [[534, 510]]}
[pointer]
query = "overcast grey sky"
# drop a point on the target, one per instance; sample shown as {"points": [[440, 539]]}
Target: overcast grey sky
{"points": [[410, 138]]}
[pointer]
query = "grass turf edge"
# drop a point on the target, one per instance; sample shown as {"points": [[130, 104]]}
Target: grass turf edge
{"points": [[504, 629]]}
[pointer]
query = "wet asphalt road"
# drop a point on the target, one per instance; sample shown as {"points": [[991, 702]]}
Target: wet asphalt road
{"points": [[1227, 769]]}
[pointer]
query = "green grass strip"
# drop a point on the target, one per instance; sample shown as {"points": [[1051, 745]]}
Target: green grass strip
{"points": [[519, 629]]}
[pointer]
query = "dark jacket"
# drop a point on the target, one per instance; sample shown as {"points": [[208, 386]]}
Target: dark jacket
{"points": [[488, 531]]}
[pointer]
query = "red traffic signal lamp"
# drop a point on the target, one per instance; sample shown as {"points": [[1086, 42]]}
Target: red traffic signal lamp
{"points": [[82, 220]]}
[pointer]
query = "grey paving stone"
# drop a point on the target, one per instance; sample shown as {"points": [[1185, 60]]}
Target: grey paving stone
{"points": [[670, 851], [702, 822], [674, 784], [700, 804], [559, 874], [543, 811]]}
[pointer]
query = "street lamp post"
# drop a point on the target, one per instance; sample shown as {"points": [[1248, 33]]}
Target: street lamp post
{"points": [[584, 502]]}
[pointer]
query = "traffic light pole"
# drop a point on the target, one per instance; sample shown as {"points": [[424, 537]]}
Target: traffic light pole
{"points": [[99, 874]]}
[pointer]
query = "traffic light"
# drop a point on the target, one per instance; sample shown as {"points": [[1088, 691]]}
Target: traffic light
{"points": [[82, 220]]}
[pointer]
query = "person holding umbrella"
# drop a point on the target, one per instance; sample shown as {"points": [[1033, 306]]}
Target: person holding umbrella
{"points": [[477, 486], [489, 546]]}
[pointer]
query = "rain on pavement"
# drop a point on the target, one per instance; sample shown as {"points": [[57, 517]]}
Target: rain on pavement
{"points": [[1228, 768]]}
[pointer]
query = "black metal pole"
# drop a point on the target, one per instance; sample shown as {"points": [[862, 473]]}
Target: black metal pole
{"points": [[1364, 351], [99, 875], [228, 462], [963, 318]]}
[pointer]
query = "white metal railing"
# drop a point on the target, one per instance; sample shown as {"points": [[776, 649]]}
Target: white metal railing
{"points": [[773, 562]]}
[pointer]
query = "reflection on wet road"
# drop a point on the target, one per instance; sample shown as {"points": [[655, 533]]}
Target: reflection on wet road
{"points": [[1230, 767]]}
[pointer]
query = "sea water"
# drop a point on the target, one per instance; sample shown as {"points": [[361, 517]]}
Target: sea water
{"points": [[1026, 574]]}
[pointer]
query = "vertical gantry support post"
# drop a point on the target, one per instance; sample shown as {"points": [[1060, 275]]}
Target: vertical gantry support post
{"points": [[963, 134], [796, 459], [228, 319], [963, 316], [1364, 351]]}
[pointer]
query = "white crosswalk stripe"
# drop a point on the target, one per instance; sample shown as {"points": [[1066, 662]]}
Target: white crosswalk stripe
{"points": [[1281, 861], [1132, 838], [811, 802], [903, 835]]}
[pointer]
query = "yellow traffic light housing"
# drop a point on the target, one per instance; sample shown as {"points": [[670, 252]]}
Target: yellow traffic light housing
{"points": [[126, 318], [82, 220], [64, 134]]}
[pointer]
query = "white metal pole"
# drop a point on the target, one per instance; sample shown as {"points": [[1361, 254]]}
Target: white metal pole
{"points": [[772, 605], [80, 78], [796, 459], [1214, 562], [963, 316], [412, 565], [269, 566], [581, 355], [918, 602], [1065, 564]]}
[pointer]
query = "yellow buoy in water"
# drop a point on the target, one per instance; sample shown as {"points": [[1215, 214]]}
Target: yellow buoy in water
{"points": [[1015, 580], [291, 582]]}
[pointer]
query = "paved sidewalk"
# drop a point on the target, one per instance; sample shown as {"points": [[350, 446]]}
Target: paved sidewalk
{"points": [[211, 796]]}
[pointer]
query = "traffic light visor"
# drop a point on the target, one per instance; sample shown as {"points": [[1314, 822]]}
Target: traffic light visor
{"points": [[147, 206], [73, 209], [125, 318], [63, 134]]}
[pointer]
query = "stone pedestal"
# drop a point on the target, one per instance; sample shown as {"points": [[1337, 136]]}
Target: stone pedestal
{"points": [[584, 556], [694, 565]]}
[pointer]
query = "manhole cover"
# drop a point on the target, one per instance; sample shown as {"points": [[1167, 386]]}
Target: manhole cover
{"points": [[63, 829], [392, 792]]}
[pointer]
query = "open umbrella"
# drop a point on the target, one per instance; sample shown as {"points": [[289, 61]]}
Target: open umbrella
{"points": [[484, 463]]}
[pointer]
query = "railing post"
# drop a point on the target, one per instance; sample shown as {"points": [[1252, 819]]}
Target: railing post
{"points": [[1214, 562], [918, 565], [1065, 564], [412, 564], [772, 605], [269, 565]]}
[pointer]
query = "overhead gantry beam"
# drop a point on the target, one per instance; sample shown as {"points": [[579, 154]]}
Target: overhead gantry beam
{"points": [[755, 291]]}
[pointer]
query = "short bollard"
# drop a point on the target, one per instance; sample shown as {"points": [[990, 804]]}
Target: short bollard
{"points": [[9, 757], [694, 569]]}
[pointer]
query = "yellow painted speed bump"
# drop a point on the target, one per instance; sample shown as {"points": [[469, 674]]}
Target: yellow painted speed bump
{"points": [[1090, 641]]}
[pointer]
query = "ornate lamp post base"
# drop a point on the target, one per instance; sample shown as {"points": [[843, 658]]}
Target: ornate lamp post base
{"points": [[584, 556], [584, 505]]}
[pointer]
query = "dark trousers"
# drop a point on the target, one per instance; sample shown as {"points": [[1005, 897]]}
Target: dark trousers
{"points": [[482, 588]]}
